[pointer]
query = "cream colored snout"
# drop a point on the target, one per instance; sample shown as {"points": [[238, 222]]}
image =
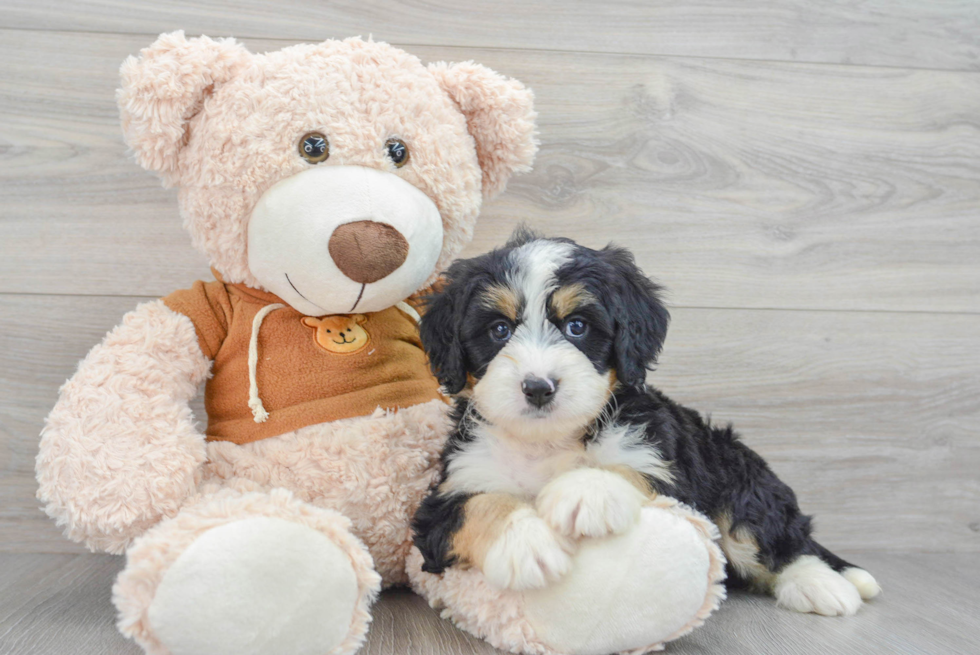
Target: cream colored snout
{"points": [[340, 239]]}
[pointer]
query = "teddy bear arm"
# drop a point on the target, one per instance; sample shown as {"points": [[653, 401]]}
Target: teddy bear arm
{"points": [[120, 448]]}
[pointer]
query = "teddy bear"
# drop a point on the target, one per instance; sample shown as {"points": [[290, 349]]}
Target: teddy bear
{"points": [[328, 184]]}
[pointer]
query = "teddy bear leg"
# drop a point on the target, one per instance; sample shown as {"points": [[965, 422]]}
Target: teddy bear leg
{"points": [[626, 593], [250, 573]]}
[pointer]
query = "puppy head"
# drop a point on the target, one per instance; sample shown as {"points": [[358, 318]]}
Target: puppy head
{"points": [[539, 332]]}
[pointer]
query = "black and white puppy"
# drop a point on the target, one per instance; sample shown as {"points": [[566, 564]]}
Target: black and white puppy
{"points": [[545, 345]]}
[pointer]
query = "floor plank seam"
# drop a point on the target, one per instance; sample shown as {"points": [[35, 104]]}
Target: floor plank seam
{"points": [[739, 308], [611, 53]]}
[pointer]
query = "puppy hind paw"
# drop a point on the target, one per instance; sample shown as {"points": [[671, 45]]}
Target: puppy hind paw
{"points": [[527, 555], [590, 503], [866, 585], [809, 585]]}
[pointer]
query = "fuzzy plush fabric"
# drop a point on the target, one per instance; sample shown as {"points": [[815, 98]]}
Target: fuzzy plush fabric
{"points": [[223, 125], [152, 554], [374, 470], [165, 88], [120, 450], [500, 116], [383, 237], [630, 593]]}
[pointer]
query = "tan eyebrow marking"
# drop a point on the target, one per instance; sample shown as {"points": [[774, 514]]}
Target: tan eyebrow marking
{"points": [[567, 299], [503, 299]]}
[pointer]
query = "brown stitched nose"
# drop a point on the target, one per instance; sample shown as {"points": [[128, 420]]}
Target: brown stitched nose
{"points": [[366, 251]]}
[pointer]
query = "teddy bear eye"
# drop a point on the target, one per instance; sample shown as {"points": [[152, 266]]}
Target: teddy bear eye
{"points": [[397, 152], [313, 147]]}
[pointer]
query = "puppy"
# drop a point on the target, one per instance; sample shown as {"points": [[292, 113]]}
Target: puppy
{"points": [[545, 346]]}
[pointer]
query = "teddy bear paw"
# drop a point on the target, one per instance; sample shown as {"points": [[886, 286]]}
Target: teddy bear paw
{"points": [[527, 555], [255, 586], [590, 503]]}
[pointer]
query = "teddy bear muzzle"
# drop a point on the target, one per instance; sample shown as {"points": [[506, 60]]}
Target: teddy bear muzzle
{"points": [[336, 239]]}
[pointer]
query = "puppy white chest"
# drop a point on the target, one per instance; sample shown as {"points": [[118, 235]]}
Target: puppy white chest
{"points": [[494, 463], [490, 464]]}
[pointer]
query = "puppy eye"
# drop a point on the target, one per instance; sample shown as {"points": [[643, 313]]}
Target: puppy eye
{"points": [[313, 147], [576, 328], [397, 152], [500, 331]]}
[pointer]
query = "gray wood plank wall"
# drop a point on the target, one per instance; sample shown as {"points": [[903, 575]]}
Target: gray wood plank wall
{"points": [[804, 177]]}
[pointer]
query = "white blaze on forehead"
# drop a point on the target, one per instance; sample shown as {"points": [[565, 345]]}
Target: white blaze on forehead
{"points": [[537, 349], [533, 273]]}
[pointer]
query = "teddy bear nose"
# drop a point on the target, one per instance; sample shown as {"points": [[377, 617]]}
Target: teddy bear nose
{"points": [[367, 251]]}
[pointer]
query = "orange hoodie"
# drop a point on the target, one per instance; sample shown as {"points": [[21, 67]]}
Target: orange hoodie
{"points": [[306, 370]]}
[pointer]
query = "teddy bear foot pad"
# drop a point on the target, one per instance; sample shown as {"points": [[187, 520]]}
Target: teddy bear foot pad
{"points": [[298, 595], [248, 574]]}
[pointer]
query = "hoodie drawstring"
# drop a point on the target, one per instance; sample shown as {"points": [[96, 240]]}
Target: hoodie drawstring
{"points": [[408, 309], [254, 402]]}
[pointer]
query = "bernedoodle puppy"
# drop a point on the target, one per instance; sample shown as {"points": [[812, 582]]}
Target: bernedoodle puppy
{"points": [[545, 345]]}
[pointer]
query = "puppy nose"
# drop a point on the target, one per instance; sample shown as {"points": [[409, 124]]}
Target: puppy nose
{"points": [[539, 391], [366, 251]]}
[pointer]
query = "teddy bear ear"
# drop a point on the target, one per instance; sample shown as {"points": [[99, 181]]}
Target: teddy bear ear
{"points": [[499, 115], [165, 87]]}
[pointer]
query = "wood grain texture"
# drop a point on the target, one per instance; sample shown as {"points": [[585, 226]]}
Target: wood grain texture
{"points": [[938, 34], [56, 604], [803, 176], [871, 417], [741, 184]]}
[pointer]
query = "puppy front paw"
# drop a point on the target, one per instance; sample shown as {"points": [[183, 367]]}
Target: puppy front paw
{"points": [[590, 503], [527, 554]]}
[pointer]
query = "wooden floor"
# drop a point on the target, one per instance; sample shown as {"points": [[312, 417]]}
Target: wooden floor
{"points": [[803, 176], [57, 604]]}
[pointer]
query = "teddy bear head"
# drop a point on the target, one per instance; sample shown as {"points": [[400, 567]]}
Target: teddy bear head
{"points": [[339, 176]]}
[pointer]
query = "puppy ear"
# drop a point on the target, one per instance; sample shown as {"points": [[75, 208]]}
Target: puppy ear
{"points": [[499, 115], [165, 88], [442, 319], [641, 318]]}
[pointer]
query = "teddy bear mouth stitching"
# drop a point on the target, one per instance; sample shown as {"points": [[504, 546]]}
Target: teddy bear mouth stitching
{"points": [[359, 296], [310, 301]]}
